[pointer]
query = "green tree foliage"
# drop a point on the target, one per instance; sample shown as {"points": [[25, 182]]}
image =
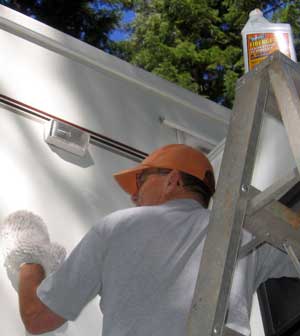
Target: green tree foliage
{"points": [[90, 21], [291, 14], [197, 43], [194, 43]]}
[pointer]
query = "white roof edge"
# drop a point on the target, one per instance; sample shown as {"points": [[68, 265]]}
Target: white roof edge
{"points": [[66, 45]]}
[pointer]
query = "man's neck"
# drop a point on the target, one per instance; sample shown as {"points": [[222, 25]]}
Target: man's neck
{"points": [[186, 195]]}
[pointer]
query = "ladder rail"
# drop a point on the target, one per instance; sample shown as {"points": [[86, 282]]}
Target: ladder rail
{"points": [[289, 104], [237, 203], [220, 251]]}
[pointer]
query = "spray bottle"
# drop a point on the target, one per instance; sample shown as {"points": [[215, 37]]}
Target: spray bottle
{"points": [[261, 38]]}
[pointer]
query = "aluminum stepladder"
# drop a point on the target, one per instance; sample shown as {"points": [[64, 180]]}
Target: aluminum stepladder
{"points": [[273, 86]]}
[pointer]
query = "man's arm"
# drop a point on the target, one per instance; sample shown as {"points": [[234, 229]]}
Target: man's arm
{"points": [[36, 316]]}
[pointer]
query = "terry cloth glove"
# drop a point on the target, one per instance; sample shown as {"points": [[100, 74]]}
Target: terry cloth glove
{"points": [[24, 238]]}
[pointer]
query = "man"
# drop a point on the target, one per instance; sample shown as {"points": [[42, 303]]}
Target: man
{"points": [[143, 261]]}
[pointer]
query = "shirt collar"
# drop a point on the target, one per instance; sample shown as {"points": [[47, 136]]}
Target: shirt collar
{"points": [[186, 202]]}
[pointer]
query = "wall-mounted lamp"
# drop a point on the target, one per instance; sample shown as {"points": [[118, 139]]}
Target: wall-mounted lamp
{"points": [[67, 137]]}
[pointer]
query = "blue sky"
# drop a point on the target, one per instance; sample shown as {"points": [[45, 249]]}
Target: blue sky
{"points": [[119, 34]]}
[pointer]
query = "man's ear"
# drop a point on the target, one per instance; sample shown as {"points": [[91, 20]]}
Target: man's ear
{"points": [[173, 181]]}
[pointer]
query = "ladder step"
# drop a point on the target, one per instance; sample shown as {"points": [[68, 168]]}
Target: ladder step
{"points": [[274, 192], [275, 224], [230, 332]]}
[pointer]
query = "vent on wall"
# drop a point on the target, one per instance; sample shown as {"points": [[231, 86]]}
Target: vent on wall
{"points": [[67, 137]]}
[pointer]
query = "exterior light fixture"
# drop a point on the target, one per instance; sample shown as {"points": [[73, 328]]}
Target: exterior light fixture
{"points": [[67, 137]]}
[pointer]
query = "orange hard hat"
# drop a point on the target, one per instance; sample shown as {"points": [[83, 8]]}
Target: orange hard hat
{"points": [[176, 156]]}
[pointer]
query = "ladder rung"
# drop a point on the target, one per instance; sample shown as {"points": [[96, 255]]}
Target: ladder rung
{"points": [[274, 192], [275, 224], [230, 332], [249, 247]]}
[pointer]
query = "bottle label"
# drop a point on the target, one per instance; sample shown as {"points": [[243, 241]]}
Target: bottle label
{"points": [[261, 45]]}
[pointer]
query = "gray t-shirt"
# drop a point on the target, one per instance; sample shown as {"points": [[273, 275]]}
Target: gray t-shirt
{"points": [[143, 262]]}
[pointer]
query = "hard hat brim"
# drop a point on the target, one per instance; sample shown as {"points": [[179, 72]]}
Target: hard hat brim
{"points": [[127, 178]]}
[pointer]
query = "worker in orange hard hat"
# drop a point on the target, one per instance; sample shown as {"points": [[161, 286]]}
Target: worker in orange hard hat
{"points": [[127, 255], [143, 261], [187, 167]]}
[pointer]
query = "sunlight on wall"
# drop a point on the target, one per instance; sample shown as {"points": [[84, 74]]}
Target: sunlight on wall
{"points": [[18, 189], [48, 80], [257, 328], [274, 157], [34, 177]]}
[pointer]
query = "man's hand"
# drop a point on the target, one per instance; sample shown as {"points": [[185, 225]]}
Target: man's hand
{"points": [[36, 317], [24, 238], [29, 255]]}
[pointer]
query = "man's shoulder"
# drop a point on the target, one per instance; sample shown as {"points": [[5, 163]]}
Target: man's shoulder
{"points": [[128, 217], [151, 211], [126, 222], [133, 213]]}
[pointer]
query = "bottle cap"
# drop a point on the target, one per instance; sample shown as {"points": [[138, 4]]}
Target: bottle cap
{"points": [[256, 12]]}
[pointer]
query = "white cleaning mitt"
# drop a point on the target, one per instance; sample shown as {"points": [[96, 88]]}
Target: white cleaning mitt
{"points": [[24, 238]]}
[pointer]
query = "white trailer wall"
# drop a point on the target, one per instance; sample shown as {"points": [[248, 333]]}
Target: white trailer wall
{"points": [[67, 78], [70, 196], [50, 71]]}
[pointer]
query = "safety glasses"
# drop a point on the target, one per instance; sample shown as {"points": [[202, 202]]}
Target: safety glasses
{"points": [[142, 176]]}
